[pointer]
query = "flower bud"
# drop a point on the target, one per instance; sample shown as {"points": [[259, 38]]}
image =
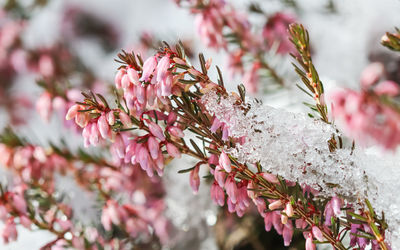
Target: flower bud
{"points": [[82, 119], [175, 131], [287, 233], [179, 61], [19, 203], [250, 190], [141, 94], [173, 151], [44, 106], [156, 130], [153, 146], [144, 158], [371, 74], [125, 83], [125, 119], [195, 179], [275, 205], [150, 95], [148, 68], [217, 194], [336, 203], [231, 189], [317, 233], [9, 231], [219, 176], [166, 86], [284, 219], [225, 162], [162, 68], [289, 209], [309, 243], [94, 134], [171, 118], [71, 113], [103, 126], [110, 118], [119, 146], [118, 77], [25, 221], [388, 88], [194, 72], [133, 76], [270, 177], [215, 125]]}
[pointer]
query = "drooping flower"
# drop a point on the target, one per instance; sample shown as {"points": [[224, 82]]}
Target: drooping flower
{"points": [[276, 31], [44, 106], [317, 233], [225, 162], [195, 179], [148, 68]]}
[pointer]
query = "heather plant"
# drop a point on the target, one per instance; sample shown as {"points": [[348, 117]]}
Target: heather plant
{"points": [[165, 97], [297, 172]]}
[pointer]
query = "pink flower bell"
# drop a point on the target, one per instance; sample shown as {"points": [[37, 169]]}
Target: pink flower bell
{"points": [[225, 162], [195, 179], [217, 194], [156, 130], [148, 68], [44, 106]]}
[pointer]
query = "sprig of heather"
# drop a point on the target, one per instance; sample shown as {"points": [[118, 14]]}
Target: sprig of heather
{"points": [[159, 101], [35, 208], [18, 203], [310, 78], [373, 113], [308, 73], [35, 168], [214, 18], [392, 40]]}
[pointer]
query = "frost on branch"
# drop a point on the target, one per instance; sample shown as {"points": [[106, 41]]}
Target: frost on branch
{"points": [[290, 145], [295, 147]]}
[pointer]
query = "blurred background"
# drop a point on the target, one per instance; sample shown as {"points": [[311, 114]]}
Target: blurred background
{"points": [[84, 37]]}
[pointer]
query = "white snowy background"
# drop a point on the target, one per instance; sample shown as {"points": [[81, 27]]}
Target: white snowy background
{"points": [[341, 42]]}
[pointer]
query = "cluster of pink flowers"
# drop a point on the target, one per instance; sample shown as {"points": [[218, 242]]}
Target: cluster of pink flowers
{"points": [[159, 83], [370, 115], [237, 200], [10, 31], [13, 201], [136, 219], [158, 102], [54, 64], [211, 18], [276, 31], [16, 59], [160, 129], [145, 150], [33, 165], [214, 17], [14, 210], [144, 91], [276, 214]]}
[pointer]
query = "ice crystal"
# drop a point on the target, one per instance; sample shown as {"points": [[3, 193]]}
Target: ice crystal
{"points": [[295, 147]]}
